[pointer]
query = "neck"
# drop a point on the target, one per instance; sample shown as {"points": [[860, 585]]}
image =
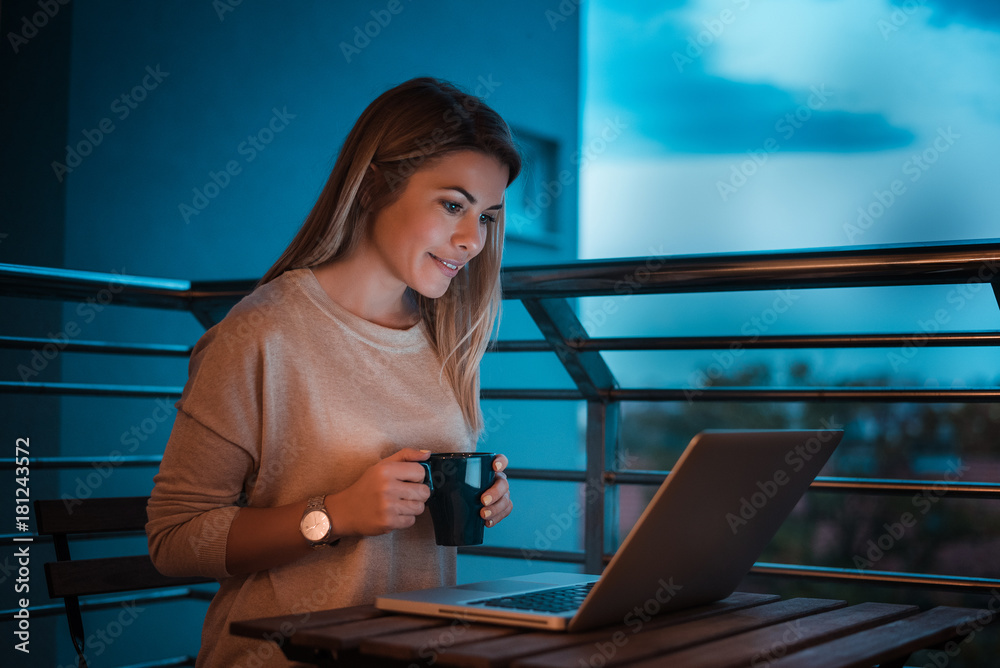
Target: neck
{"points": [[383, 300]]}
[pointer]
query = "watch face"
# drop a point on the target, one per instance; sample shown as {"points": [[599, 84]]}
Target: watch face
{"points": [[315, 525]]}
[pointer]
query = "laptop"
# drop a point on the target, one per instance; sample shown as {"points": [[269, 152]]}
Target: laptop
{"points": [[700, 534]]}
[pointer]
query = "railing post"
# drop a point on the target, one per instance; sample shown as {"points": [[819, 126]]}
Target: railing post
{"points": [[559, 325], [601, 509]]}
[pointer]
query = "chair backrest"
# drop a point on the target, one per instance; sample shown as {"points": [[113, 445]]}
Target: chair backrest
{"points": [[69, 579]]}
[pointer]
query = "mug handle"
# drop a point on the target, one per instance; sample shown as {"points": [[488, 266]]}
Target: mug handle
{"points": [[428, 478]]}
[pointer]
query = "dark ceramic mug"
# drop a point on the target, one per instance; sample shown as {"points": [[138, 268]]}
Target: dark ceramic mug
{"points": [[457, 481]]}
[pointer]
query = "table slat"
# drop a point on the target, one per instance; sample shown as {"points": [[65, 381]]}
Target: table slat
{"points": [[427, 644], [630, 646], [500, 652], [349, 636], [884, 643], [760, 647], [287, 625]]}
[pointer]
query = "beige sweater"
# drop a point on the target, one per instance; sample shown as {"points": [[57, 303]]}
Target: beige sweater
{"points": [[288, 397]]}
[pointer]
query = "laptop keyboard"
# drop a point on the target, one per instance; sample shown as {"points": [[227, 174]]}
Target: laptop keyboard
{"points": [[560, 599]]}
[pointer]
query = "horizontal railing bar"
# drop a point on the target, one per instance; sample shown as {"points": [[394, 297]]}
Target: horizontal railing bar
{"points": [[955, 489], [904, 264], [949, 582], [101, 347], [884, 486], [115, 288], [546, 395], [937, 339], [754, 394], [551, 475], [123, 461], [88, 389], [819, 394], [635, 343], [522, 553], [8, 539], [105, 602]]}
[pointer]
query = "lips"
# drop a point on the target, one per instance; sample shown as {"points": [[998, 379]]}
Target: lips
{"points": [[450, 268]]}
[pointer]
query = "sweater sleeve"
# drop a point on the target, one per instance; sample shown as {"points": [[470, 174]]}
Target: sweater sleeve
{"points": [[210, 458]]}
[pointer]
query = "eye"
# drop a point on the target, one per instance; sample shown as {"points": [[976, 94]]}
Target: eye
{"points": [[487, 219], [451, 207]]}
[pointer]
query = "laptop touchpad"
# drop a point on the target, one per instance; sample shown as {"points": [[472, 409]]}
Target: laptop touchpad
{"points": [[503, 586]]}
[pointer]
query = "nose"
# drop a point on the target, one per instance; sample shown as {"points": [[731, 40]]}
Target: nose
{"points": [[469, 235]]}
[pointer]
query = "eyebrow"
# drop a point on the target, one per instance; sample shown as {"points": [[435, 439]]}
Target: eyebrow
{"points": [[468, 196]]}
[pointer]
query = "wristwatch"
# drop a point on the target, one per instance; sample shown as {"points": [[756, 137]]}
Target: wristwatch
{"points": [[315, 524]]}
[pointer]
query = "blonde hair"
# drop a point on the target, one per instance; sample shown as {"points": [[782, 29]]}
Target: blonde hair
{"points": [[402, 130]]}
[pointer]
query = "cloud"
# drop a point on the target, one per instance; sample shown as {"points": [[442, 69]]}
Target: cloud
{"points": [[982, 14], [707, 114], [660, 81]]}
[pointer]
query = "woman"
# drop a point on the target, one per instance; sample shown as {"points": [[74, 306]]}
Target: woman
{"points": [[356, 355]]}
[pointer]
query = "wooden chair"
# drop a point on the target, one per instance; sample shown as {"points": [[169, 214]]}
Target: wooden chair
{"points": [[70, 579]]}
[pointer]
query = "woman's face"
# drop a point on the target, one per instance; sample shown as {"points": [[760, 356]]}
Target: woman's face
{"points": [[439, 222]]}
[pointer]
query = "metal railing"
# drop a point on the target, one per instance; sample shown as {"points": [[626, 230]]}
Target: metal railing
{"points": [[544, 291]]}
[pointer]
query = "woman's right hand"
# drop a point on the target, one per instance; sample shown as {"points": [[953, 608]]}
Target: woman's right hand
{"points": [[387, 496]]}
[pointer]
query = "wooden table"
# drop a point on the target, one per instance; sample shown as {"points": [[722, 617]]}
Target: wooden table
{"points": [[743, 630]]}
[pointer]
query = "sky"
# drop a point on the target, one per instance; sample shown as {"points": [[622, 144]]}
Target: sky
{"points": [[740, 125]]}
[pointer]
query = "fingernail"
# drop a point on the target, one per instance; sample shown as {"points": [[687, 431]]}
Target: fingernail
{"points": [[487, 500], [496, 466], [489, 523], [487, 513], [422, 450]]}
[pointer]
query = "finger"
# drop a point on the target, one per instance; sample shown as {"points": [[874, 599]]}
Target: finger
{"points": [[496, 490], [498, 510], [406, 471], [408, 455], [506, 508], [412, 508], [499, 463], [412, 491]]}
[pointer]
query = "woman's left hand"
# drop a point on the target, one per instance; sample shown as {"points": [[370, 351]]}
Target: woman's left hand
{"points": [[496, 499]]}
